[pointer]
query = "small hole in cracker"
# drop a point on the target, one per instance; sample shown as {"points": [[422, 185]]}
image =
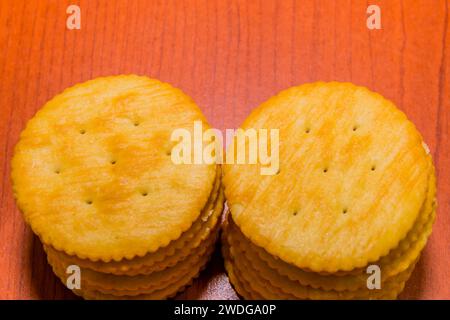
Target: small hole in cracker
{"points": [[355, 128], [113, 161], [144, 194], [344, 211], [136, 123], [89, 202], [294, 213], [325, 170], [373, 168], [82, 131], [307, 130]]}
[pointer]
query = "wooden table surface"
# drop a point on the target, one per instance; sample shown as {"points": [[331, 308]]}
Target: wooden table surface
{"points": [[229, 56]]}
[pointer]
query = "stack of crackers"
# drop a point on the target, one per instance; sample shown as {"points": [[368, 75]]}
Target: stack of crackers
{"points": [[94, 178], [350, 209]]}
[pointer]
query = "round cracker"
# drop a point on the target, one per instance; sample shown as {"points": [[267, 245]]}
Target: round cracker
{"points": [[164, 257], [353, 177], [165, 293], [314, 280], [398, 260], [265, 288], [134, 285], [256, 270], [271, 285], [93, 175]]}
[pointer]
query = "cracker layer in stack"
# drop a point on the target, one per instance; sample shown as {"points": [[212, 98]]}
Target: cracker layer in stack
{"points": [[354, 197], [94, 177]]}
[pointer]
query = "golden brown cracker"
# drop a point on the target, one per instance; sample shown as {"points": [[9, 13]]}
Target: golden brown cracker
{"points": [[398, 260], [169, 291], [93, 175], [164, 257], [241, 287], [137, 284], [273, 285], [352, 180]]}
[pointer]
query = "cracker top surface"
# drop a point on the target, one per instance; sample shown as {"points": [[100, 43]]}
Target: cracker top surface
{"points": [[92, 171], [353, 177]]}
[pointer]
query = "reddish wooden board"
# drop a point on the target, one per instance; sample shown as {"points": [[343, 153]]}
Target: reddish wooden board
{"points": [[229, 56]]}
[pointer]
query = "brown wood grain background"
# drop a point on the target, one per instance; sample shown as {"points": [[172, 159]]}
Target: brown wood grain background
{"points": [[229, 56]]}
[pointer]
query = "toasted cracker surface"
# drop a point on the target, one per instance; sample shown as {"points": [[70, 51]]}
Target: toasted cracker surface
{"points": [[353, 178], [92, 171], [164, 257], [398, 260]]}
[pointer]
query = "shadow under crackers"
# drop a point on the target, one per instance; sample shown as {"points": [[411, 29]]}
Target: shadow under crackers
{"points": [[45, 284], [416, 283]]}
